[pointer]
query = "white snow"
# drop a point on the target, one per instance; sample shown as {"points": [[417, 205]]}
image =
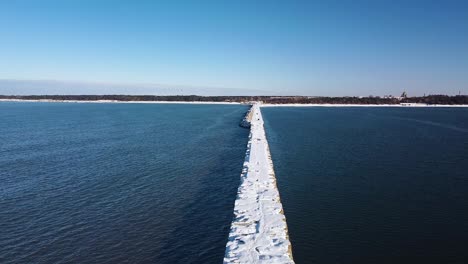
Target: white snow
{"points": [[258, 232]]}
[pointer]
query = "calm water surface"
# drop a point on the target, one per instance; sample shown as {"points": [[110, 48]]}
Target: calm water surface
{"points": [[112, 183], [373, 185]]}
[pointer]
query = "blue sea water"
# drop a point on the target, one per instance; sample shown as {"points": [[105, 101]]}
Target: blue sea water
{"points": [[114, 183], [373, 185]]}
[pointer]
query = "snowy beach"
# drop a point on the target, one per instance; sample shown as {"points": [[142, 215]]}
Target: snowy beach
{"points": [[359, 105], [230, 103], [115, 101]]}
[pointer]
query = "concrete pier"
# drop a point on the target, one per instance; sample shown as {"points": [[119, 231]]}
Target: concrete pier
{"points": [[259, 231], [245, 123]]}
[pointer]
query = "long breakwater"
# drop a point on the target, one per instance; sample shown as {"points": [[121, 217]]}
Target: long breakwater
{"points": [[258, 231]]}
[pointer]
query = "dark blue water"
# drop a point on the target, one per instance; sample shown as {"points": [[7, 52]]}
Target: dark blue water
{"points": [[113, 183], [373, 185]]}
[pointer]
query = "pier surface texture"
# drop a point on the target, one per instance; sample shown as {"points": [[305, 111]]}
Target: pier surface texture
{"points": [[258, 232]]}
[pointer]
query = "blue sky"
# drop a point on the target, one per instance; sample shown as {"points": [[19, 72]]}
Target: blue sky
{"points": [[275, 47]]}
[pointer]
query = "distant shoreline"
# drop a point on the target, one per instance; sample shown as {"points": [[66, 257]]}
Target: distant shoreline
{"points": [[229, 103], [361, 105], [117, 101], [243, 99]]}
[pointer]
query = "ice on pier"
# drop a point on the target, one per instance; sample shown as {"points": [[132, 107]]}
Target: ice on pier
{"points": [[258, 232]]}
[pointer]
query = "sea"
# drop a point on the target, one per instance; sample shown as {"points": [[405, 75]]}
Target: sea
{"points": [[372, 184], [156, 183], [118, 183]]}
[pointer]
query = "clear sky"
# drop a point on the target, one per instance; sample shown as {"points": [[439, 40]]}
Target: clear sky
{"points": [[279, 47]]}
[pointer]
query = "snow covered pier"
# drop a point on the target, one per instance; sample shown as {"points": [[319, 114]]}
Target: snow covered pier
{"points": [[245, 123], [259, 233]]}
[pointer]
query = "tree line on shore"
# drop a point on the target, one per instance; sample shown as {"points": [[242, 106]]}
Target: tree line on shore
{"points": [[430, 99]]}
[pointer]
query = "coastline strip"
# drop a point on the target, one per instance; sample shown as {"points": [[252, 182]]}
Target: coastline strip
{"points": [[360, 105], [118, 102], [259, 231], [409, 105]]}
